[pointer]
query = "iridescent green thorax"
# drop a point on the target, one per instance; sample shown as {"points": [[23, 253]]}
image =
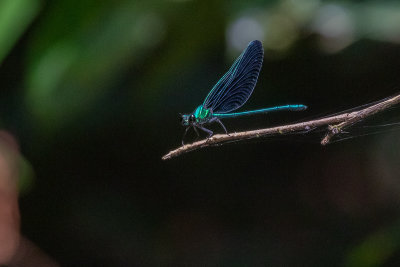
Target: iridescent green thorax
{"points": [[202, 114]]}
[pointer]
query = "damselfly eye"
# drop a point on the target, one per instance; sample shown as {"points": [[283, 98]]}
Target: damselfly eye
{"points": [[191, 118], [185, 120]]}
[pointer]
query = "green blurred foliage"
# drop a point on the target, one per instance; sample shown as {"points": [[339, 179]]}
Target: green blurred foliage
{"points": [[75, 58], [15, 17], [376, 249]]}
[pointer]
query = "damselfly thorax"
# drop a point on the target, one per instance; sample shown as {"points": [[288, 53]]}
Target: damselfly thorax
{"points": [[202, 114]]}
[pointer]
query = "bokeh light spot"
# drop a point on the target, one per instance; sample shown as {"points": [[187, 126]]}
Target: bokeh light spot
{"points": [[242, 31], [335, 25]]}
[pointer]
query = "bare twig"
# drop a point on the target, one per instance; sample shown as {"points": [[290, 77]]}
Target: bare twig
{"points": [[335, 123]]}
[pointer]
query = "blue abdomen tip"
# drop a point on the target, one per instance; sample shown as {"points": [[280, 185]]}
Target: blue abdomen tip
{"points": [[298, 107]]}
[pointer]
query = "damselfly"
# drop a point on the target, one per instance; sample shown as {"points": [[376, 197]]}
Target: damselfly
{"points": [[231, 92]]}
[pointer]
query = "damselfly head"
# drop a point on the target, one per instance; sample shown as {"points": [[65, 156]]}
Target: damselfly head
{"points": [[184, 119], [187, 120]]}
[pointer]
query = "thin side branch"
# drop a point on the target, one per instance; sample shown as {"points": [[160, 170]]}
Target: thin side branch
{"points": [[335, 123]]}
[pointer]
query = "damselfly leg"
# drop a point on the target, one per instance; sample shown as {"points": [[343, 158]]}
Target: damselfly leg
{"points": [[184, 134], [210, 133], [220, 123]]}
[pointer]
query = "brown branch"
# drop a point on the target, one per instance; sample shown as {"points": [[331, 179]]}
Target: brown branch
{"points": [[335, 123]]}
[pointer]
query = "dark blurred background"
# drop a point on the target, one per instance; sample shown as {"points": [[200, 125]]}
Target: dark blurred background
{"points": [[92, 90]]}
